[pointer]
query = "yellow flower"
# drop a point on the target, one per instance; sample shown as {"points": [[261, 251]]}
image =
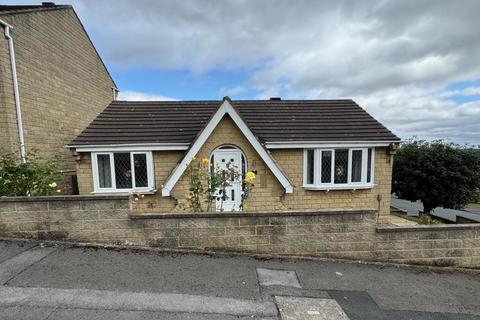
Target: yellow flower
{"points": [[194, 158], [250, 176], [59, 190], [52, 185], [205, 161]]}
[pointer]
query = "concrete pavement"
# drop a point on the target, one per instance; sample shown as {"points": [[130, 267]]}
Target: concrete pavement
{"points": [[86, 283]]}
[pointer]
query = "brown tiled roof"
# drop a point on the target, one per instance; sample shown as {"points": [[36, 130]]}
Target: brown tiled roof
{"points": [[130, 122]]}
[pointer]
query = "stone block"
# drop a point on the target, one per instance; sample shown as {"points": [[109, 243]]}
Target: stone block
{"points": [[53, 235], [31, 206], [223, 222], [100, 205], [7, 206], [432, 235], [253, 221], [163, 243], [461, 234], [208, 232], [64, 205], [225, 242], [240, 231], [271, 230], [193, 223], [111, 214], [253, 240]]}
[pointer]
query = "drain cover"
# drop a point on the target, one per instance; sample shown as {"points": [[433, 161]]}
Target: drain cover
{"points": [[270, 277]]}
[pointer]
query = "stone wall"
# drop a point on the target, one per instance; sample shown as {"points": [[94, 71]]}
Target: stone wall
{"points": [[268, 193], [62, 81], [347, 234]]}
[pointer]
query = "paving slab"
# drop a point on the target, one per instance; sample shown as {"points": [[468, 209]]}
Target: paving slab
{"points": [[271, 277], [132, 301], [11, 267], [24, 313], [142, 271], [358, 305], [34, 313], [11, 249], [392, 287], [300, 308]]}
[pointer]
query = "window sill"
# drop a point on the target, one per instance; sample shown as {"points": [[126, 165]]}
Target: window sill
{"points": [[348, 187], [125, 192]]}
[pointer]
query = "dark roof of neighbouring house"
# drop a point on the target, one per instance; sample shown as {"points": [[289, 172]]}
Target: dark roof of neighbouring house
{"points": [[142, 122], [19, 8]]}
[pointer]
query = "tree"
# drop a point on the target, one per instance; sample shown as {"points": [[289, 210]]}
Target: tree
{"points": [[437, 173]]}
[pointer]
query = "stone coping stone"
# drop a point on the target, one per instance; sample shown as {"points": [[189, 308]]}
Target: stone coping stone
{"points": [[435, 227], [190, 215], [65, 198]]}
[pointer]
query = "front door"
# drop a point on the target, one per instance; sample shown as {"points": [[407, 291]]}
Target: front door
{"points": [[232, 157]]}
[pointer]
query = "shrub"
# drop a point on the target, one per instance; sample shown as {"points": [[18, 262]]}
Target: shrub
{"points": [[437, 173], [35, 177]]}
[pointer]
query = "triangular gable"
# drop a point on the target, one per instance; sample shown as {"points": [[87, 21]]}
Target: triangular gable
{"points": [[225, 108]]}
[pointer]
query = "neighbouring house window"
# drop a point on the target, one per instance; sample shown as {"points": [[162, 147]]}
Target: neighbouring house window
{"points": [[338, 168], [122, 171]]}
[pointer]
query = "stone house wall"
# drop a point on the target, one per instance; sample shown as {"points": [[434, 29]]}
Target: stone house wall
{"points": [[268, 193], [63, 83]]}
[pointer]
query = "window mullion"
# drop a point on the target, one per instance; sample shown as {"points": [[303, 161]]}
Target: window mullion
{"points": [[332, 174], [349, 167], [151, 170], [317, 166], [372, 167], [132, 169], [112, 170], [96, 174], [305, 166], [364, 165]]}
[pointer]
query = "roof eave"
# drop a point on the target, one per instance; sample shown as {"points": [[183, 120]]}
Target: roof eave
{"points": [[328, 144], [128, 147]]}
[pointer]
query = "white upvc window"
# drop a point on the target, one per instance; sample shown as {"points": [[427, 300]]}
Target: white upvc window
{"points": [[338, 168], [123, 171]]}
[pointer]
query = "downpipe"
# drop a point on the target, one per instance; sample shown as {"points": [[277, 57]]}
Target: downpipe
{"points": [[16, 92]]}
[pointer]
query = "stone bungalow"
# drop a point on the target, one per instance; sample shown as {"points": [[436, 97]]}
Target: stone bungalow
{"points": [[307, 154]]}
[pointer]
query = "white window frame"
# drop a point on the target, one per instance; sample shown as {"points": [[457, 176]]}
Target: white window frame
{"points": [[150, 173], [317, 170]]}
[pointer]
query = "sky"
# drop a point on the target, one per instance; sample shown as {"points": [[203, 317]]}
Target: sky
{"points": [[413, 65]]}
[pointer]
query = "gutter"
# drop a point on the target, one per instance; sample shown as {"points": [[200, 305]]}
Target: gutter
{"points": [[15, 89]]}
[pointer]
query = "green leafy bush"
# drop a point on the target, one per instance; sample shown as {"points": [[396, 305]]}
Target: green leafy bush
{"points": [[437, 173], [35, 177]]}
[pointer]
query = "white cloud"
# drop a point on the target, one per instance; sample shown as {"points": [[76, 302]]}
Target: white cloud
{"points": [[142, 96], [395, 57]]}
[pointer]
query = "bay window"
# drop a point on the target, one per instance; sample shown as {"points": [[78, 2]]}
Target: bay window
{"points": [[122, 171], [339, 168]]}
